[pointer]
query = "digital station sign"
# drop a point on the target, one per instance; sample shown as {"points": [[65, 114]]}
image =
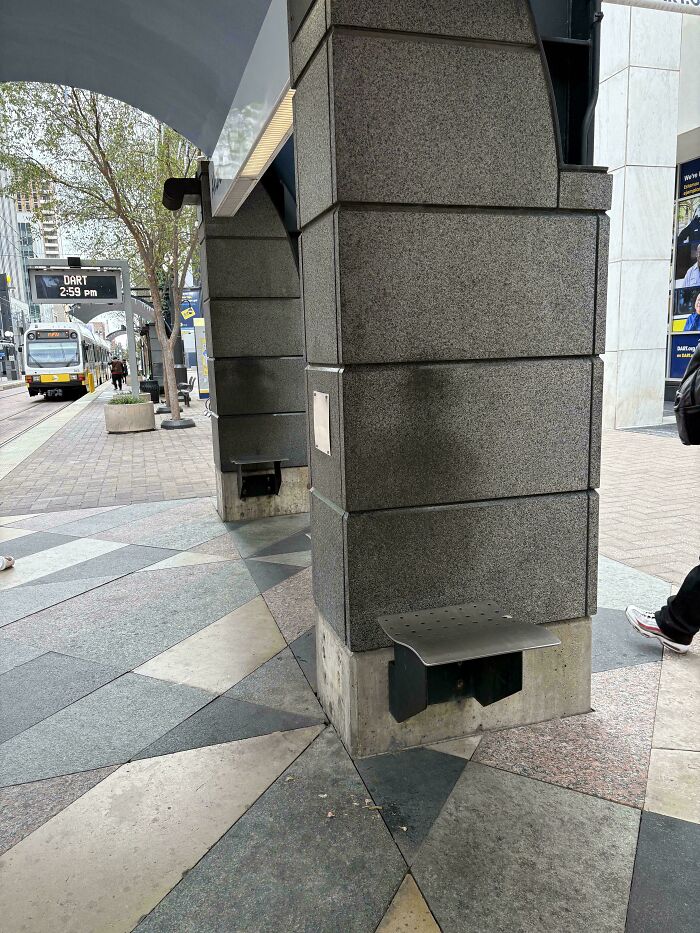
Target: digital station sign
{"points": [[69, 286]]}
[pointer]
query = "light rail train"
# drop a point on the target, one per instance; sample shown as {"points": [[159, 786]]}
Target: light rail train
{"points": [[64, 358]]}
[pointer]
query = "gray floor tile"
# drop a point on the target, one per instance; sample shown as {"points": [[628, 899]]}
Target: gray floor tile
{"points": [[55, 520], [107, 727], [32, 544], [184, 526], [43, 686], [26, 807], [22, 601], [125, 560], [134, 618], [508, 853], [616, 644], [267, 575], [296, 542], [304, 650], [252, 537], [280, 684], [95, 524], [411, 787], [13, 652], [295, 868], [225, 720], [666, 879], [620, 586]]}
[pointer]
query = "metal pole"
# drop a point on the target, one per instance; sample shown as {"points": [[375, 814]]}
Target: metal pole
{"points": [[130, 333]]}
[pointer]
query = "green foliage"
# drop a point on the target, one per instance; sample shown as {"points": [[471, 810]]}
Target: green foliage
{"points": [[126, 399], [105, 163]]}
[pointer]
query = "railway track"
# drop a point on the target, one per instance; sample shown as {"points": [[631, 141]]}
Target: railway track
{"points": [[19, 412]]}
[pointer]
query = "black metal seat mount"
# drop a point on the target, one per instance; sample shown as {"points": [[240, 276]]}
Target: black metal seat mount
{"points": [[453, 652], [259, 476]]}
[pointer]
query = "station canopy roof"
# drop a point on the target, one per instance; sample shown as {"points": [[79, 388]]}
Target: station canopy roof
{"points": [[179, 60]]}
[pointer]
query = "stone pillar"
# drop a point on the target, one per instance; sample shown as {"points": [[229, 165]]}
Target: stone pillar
{"points": [[255, 344], [636, 127], [454, 294]]}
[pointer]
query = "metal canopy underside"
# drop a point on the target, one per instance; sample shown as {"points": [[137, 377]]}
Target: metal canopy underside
{"points": [[464, 633], [175, 59]]}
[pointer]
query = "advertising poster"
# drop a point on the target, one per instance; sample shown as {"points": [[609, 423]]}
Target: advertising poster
{"points": [[200, 342], [684, 325], [189, 309]]}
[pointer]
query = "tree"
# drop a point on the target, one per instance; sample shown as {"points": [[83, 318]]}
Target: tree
{"points": [[106, 163]]}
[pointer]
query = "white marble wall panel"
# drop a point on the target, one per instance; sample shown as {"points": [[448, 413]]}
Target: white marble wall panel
{"points": [[611, 121], [614, 41], [612, 332], [615, 213], [609, 390], [640, 387], [655, 39], [647, 222], [652, 116], [643, 294]]}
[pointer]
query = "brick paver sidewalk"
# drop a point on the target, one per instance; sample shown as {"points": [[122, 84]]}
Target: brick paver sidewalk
{"points": [[82, 466], [648, 503]]}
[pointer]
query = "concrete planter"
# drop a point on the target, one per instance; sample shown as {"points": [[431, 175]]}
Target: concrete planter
{"points": [[124, 419]]}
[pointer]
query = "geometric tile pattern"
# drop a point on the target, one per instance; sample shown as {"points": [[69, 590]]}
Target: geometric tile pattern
{"points": [[530, 834], [604, 753], [411, 787], [25, 807], [310, 855], [510, 853], [178, 806]]}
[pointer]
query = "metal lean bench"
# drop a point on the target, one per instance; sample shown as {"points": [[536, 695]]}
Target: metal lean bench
{"points": [[184, 391], [259, 476], [470, 650]]}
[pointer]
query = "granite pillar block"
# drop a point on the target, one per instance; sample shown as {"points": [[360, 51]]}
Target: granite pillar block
{"points": [[447, 109], [585, 189], [530, 555], [455, 432], [464, 285], [257, 385], [254, 268], [254, 327], [278, 435]]}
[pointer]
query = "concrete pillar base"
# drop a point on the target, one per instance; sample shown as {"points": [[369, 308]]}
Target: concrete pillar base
{"points": [[353, 689], [292, 499]]}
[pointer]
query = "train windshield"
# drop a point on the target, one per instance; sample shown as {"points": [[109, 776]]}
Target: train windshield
{"points": [[52, 354]]}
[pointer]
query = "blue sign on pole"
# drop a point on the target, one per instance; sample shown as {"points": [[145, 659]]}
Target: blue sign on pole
{"points": [[189, 309], [682, 348]]}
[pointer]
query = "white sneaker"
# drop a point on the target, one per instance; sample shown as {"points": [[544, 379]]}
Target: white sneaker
{"points": [[645, 623]]}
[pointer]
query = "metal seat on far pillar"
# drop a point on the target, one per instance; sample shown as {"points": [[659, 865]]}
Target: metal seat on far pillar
{"points": [[259, 476], [454, 652]]}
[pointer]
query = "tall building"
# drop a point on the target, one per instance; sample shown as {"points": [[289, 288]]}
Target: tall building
{"points": [[39, 202], [12, 280], [40, 236]]}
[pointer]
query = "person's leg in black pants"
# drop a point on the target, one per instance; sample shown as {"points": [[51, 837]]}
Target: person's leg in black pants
{"points": [[678, 622], [680, 617]]}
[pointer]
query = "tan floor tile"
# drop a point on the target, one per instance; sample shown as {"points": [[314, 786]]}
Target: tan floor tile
{"points": [[677, 724], [461, 748], [106, 860], [408, 912], [183, 559], [674, 784], [223, 653]]}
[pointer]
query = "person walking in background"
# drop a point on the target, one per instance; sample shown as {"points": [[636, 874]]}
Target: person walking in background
{"points": [[117, 370]]}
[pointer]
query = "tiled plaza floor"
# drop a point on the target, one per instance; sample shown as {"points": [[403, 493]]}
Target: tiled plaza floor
{"points": [[165, 764]]}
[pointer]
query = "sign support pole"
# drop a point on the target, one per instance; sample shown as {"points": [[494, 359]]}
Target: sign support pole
{"points": [[130, 332]]}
